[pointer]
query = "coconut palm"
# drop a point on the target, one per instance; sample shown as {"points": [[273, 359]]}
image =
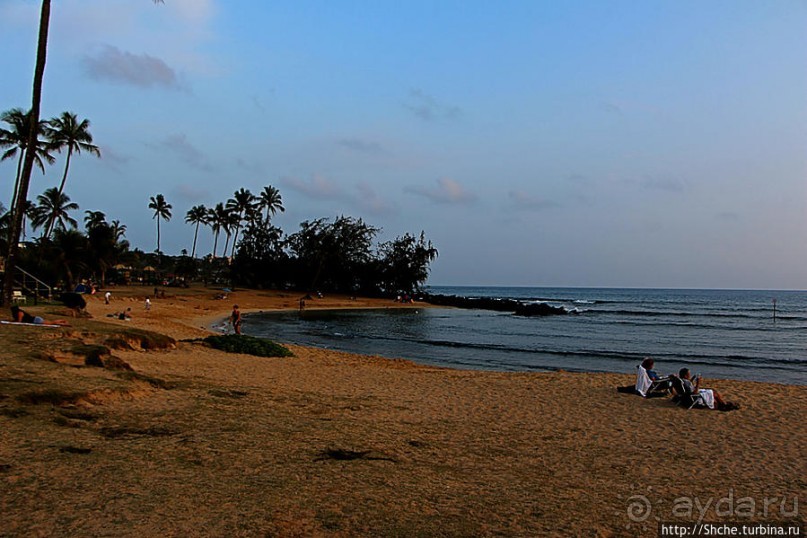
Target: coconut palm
{"points": [[66, 131], [118, 229], [216, 217], [270, 200], [93, 219], [162, 210], [229, 224], [16, 140], [52, 210], [21, 193], [241, 204], [196, 215]]}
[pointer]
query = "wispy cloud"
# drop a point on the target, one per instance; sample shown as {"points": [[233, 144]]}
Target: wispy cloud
{"points": [[447, 191], [144, 71], [318, 187], [190, 193], [369, 201], [112, 158], [523, 201], [360, 146], [250, 166], [178, 145], [428, 108], [667, 184]]}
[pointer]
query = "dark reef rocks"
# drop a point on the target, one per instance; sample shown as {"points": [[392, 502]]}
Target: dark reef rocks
{"points": [[499, 305]]}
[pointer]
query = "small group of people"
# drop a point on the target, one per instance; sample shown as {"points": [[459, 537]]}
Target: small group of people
{"points": [[689, 386]]}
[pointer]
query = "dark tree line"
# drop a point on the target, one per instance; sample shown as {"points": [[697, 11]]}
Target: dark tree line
{"points": [[337, 255]]}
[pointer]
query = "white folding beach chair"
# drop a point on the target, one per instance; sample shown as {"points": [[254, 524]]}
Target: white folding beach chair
{"points": [[687, 399], [645, 385]]}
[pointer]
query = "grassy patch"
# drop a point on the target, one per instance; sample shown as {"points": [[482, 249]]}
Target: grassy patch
{"points": [[248, 345]]}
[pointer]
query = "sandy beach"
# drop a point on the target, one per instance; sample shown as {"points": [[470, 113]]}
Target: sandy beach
{"points": [[197, 442]]}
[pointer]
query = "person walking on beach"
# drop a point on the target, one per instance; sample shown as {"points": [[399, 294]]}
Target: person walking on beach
{"points": [[235, 318], [107, 295], [148, 304]]}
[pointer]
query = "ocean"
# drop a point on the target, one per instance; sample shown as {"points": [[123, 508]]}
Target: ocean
{"points": [[730, 334]]}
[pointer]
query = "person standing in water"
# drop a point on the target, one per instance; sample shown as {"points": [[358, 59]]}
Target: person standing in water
{"points": [[235, 318]]}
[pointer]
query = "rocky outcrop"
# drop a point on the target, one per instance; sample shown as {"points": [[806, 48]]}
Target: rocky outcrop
{"points": [[499, 305]]}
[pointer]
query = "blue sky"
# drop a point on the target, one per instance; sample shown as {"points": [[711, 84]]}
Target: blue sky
{"points": [[579, 143]]}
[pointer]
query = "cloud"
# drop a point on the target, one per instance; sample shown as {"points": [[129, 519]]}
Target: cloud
{"points": [[523, 201], [368, 200], [144, 71], [728, 216], [178, 145], [360, 146], [318, 187], [663, 184], [251, 167], [447, 191], [427, 108], [112, 158], [190, 193]]}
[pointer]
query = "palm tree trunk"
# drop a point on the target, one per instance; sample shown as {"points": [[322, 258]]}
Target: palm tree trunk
{"points": [[25, 179], [17, 179], [215, 242], [16, 189], [66, 166], [235, 238], [158, 234], [195, 234], [49, 227]]}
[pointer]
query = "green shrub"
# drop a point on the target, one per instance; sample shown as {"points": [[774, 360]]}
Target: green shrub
{"points": [[248, 345]]}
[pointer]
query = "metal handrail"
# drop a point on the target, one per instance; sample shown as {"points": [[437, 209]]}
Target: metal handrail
{"points": [[36, 288]]}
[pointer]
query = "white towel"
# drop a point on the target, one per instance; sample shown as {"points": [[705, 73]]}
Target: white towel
{"points": [[708, 396], [643, 381]]}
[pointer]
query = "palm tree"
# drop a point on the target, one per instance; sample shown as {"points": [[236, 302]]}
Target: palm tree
{"points": [[28, 210], [242, 203], [52, 212], [162, 210], [196, 215], [229, 223], [271, 200], [21, 193], [93, 219], [16, 140], [67, 132], [118, 229], [28, 162], [215, 224]]}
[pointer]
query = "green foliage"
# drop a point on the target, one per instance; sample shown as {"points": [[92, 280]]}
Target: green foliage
{"points": [[248, 345], [405, 263]]}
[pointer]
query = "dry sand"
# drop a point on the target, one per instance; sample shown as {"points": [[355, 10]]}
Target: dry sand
{"points": [[204, 443]]}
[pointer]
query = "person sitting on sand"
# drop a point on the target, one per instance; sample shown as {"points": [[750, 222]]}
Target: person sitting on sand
{"points": [[710, 396], [21, 316], [648, 365]]}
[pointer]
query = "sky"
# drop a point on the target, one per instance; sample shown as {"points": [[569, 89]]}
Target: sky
{"points": [[537, 143]]}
